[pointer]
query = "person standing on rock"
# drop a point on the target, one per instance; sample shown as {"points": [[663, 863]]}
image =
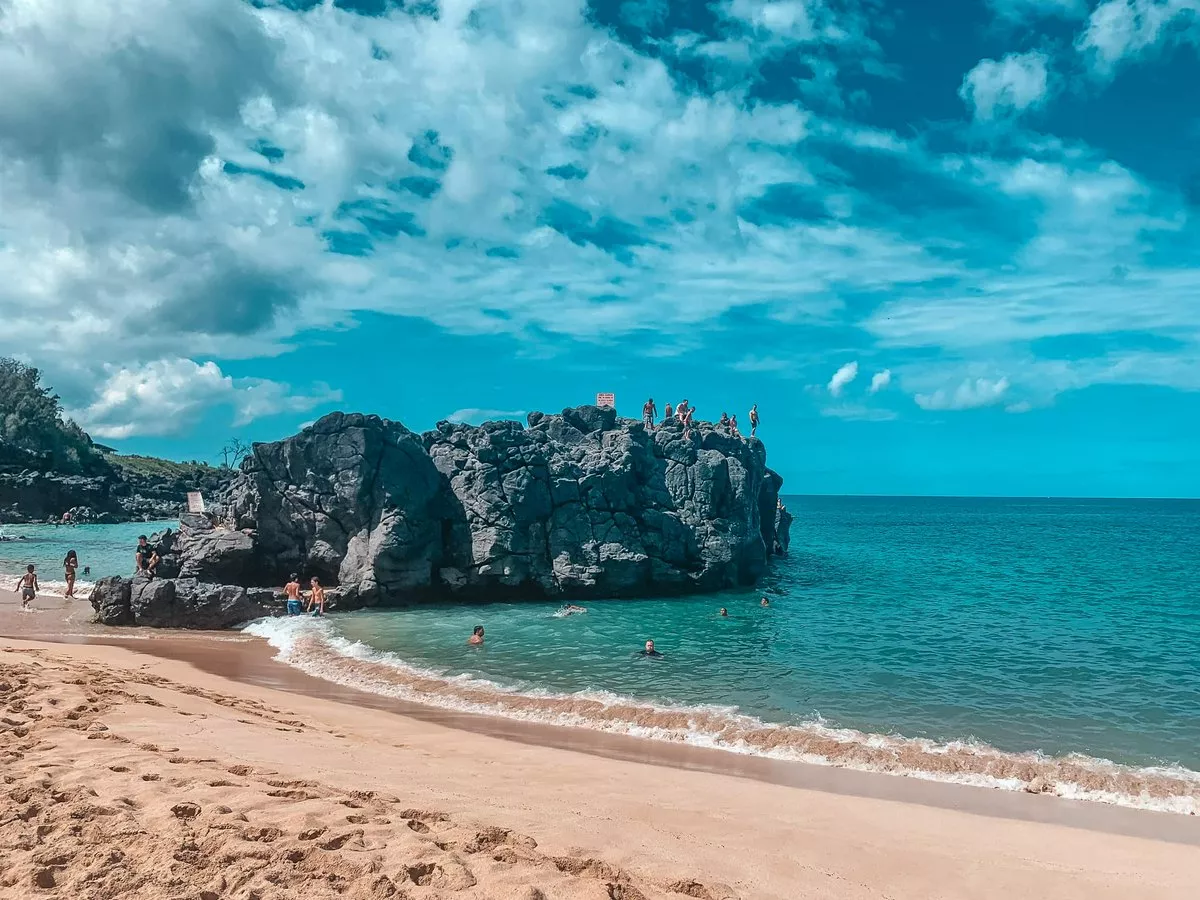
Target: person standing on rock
{"points": [[681, 411], [733, 429], [753, 420], [146, 557], [316, 599], [70, 567], [649, 413], [724, 420], [28, 586], [292, 589], [668, 414]]}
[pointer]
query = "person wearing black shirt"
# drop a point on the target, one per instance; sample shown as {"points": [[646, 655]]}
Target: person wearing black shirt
{"points": [[650, 652], [145, 556]]}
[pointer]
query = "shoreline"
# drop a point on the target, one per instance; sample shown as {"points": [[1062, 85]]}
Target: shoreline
{"points": [[173, 773], [243, 659]]}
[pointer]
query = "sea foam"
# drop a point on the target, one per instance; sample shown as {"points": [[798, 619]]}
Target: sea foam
{"points": [[313, 646]]}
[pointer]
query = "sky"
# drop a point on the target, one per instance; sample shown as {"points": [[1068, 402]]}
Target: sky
{"points": [[946, 247]]}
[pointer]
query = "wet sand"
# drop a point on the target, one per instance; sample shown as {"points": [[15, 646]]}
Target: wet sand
{"points": [[638, 818]]}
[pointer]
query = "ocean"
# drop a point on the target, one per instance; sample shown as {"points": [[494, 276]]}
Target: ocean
{"points": [[1028, 644], [105, 549]]}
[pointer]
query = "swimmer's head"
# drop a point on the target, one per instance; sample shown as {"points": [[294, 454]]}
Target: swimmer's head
{"points": [[765, 602], [649, 646], [478, 632], [724, 611]]}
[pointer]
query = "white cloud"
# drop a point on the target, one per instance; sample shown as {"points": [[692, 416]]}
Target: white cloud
{"points": [[1017, 82], [479, 416], [1122, 29], [842, 377], [880, 380], [1029, 11], [858, 412], [169, 396], [971, 394]]}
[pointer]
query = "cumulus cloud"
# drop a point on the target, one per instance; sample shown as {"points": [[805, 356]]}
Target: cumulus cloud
{"points": [[1009, 86], [858, 412], [473, 416], [168, 397], [880, 380], [1123, 29], [841, 378], [971, 394]]}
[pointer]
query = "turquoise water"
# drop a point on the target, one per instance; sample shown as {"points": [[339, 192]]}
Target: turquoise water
{"points": [[1043, 633], [107, 549]]}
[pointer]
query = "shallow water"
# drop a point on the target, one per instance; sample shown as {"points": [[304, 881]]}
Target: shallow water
{"points": [[997, 641], [107, 549]]}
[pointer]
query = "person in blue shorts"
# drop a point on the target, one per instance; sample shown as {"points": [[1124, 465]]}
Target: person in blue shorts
{"points": [[292, 589]]}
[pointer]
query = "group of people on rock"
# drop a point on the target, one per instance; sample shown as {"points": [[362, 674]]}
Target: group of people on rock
{"points": [[684, 415]]}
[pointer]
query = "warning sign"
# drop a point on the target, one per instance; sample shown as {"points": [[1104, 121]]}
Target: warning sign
{"points": [[195, 502], [609, 400]]}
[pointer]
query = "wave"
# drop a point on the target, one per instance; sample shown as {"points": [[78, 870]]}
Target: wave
{"points": [[313, 646]]}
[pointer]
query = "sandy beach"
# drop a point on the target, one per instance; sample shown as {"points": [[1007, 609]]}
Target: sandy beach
{"points": [[142, 770]]}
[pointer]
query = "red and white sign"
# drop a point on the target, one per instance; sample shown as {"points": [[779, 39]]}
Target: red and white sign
{"points": [[609, 400]]}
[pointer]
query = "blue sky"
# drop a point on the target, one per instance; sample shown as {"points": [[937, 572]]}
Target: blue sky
{"points": [[948, 248]]}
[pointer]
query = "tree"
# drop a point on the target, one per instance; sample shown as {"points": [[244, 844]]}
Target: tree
{"points": [[32, 420], [233, 453]]}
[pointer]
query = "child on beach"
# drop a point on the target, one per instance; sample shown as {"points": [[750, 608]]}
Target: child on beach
{"points": [[70, 565], [292, 589], [28, 586], [316, 600]]}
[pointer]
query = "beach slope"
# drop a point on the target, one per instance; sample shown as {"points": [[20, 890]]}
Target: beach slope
{"points": [[126, 775]]}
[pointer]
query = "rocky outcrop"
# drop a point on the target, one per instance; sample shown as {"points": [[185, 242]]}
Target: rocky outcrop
{"points": [[177, 603], [783, 531], [576, 504]]}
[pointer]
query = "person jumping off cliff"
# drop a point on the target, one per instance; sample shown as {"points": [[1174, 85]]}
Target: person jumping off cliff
{"points": [[753, 419], [649, 413]]}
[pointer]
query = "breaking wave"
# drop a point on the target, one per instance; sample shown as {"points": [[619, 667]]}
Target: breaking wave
{"points": [[313, 646]]}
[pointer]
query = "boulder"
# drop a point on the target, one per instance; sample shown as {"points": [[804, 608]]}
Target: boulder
{"points": [[783, 531], [110, 598], [577, 504], [182, 603]]}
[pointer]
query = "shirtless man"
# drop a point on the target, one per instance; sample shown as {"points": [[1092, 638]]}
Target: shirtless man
{"points": [[733, 429], [753, 419], [28, 586], [316, 599], [668, 414], [292, 589], [476, 637], [649, 413]]}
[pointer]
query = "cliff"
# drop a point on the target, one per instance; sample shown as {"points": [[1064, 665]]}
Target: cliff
{"points": [[580, 504]]}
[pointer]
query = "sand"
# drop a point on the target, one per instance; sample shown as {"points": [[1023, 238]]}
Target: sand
{"points": [[127, 774]]}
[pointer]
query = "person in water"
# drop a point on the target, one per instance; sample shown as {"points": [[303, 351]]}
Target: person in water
{"points": [[764, 603], [476, 637], [724, 613], [316, 598], [292, 589], [70, 566], [650, 652], [572, 608], [28, 586], [145, 556]]}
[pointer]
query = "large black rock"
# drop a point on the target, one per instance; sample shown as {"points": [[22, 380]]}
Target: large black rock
{"points": [[577, 504], [171, 603]]}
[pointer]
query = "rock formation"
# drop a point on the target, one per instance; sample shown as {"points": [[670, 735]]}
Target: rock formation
{"points": [[177, 603], [578, 504]]}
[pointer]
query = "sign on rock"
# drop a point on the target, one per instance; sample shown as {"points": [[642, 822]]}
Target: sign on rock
{"points": [[609, 400], [195, 502]]}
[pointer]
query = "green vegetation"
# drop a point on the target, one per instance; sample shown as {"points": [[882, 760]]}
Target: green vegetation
{"points": [[163, 469], [32, 420]]}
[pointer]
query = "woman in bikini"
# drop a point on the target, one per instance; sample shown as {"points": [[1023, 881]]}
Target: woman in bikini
{"points": [[28, 586], [70, 565]]}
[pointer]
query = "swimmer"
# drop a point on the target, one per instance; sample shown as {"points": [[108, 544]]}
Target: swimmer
{"points": [[292, 589], [724, 613], [568, 608], [476, 637], [764, 603], [316, 600], [650, 652]]}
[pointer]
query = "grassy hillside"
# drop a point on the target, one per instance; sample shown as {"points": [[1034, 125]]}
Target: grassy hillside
{"points": [[165, 469]]}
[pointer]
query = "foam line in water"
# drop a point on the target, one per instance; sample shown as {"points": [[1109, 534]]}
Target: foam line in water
{"points": [[313, 646]]}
